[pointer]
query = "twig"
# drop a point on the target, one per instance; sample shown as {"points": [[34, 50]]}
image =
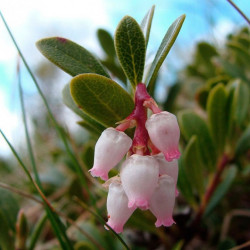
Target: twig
{"points": [[21, 193], [228, 218], [240, 11], [211, 188], [246, 244]]}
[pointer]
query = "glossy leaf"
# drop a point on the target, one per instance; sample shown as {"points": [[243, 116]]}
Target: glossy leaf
{"points": [[70, 57], [91, 124], [107, 42], [221, 190], [146, 24], [192, 124], [243, 143], [163, 50], [217, 115], [130, 49], [101, 98], [194, 165]]}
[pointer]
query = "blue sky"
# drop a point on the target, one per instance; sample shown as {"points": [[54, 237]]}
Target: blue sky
{"points": [[78, 20]]}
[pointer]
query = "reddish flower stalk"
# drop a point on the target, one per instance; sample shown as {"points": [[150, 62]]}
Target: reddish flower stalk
{"points": [[138, 118]]}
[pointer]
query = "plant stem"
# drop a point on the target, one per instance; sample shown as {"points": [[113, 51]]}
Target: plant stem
{"points": [[211, 188], [240, 11]]}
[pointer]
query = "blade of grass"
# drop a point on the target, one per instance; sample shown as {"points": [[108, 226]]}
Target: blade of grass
{"points": [[58, 128], [53, 218], [82, 204], [43, 218], [37, 231], [28, 141], [55, 221]]}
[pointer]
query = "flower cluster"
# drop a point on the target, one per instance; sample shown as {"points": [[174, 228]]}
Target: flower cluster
{"points": [[149, 174]]}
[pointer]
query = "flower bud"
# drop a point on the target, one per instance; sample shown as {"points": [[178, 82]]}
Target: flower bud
{"points": [[169, 168], [139, 176], [164, 132], [162, 201], [109, 150], [117, 207]]}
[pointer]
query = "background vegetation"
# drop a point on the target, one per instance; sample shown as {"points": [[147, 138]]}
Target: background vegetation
{"points": [[55, 204]]}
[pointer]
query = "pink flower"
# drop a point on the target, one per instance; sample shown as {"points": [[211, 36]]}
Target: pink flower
{"points": [[164, 132], [162, 201], [139, 176], [169, 168], [117, 207], [109, 151]]}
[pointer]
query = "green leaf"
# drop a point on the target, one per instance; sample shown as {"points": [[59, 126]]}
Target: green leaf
{"points": [[243, 143], [192, 124], [70, 57], [146, 24], [92, 129], [194, 165], [107, 42], [240, 50], [163, 50], [241, 102], [101, 98], [8, 215], [221, 190], [130, 49], [91, 124], [184, 184], [218, 115]]}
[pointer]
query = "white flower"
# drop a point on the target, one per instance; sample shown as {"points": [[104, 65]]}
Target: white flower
{"points": [[164, 133], [109, 150], [117, 207], [162, 201], [139, 176], [169, 168]]}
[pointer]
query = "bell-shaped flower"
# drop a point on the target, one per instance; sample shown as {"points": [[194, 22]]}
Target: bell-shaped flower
{"points": [[164, 133], [110, 148], [162, 201], [169, 168], [117, 207], [139, 176]]}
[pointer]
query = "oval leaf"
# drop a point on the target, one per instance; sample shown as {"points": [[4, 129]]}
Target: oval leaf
{"points": [[91, 125], [192, 124], [241, 99], [70, 57], [194, 165], [163, 50], [130, 48], [146, 24], [217, 115], [101, 98], [107, 42]]}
